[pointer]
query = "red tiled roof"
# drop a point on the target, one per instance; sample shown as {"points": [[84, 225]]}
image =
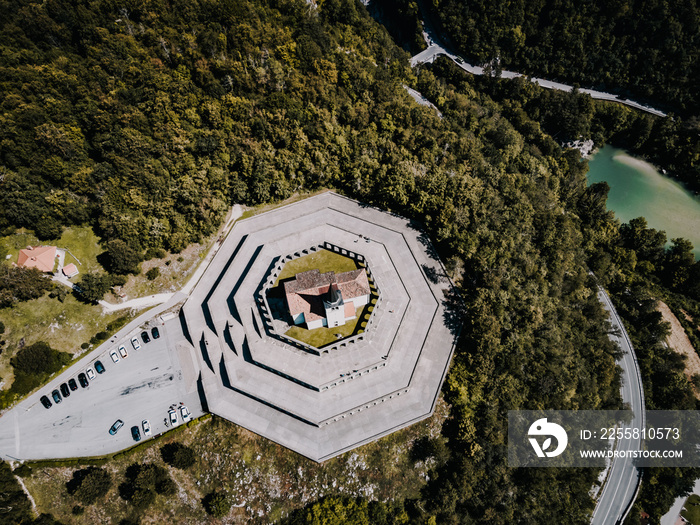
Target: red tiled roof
{"points": [[40, 257], [305, 292], [69, 270]]}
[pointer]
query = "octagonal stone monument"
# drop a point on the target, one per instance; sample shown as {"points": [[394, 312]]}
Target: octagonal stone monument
{"points": [[321, 402]]}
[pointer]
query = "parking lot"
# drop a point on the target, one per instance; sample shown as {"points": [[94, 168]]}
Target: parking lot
{"points": [[144, 385]]}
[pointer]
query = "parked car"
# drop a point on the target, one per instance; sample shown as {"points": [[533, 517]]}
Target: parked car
{"points": [[56, 397], [117, 425], [173, 417], [64, 390], [114, 356], [146, 427], [72, 384], [45, 401], [135, 343], [90, 373], [122, 351], [186, 416], [135, 433], [99, 367], [155, 333], [83, 380], [144, 336]]}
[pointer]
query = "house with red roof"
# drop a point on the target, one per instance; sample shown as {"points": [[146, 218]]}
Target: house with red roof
{"points": [[42, 258], [326, 299]]}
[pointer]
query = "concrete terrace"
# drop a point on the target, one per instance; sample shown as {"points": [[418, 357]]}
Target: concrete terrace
{"points": [[322, 405]]}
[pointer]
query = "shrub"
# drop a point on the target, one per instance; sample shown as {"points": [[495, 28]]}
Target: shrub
{"points": [[143, 482], [38, 359], [85, 346], [153, 273], [21, 284], [90, 484], [23, 471], [155, 253], [122, 258], [216, 504], [178, 455], [77, 510], [93, 286]]}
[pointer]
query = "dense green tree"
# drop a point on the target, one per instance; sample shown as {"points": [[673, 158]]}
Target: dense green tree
{"points": [[333, 510], [178, 455], [39, 358], [93, 286], [122, 258], [216, 504], [14, 503], [144, 482], [90, 484], [21, 284]]}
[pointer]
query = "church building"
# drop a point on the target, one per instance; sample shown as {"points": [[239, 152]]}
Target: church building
{"points": [[326, 299]]}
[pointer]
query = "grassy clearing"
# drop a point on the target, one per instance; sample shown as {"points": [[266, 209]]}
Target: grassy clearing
{"points": [[265, 480], [692, 510], [84, 247], [64, 326]]}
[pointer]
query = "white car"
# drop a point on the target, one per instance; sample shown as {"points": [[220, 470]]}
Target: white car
{"points": [[90, 373], [114, 356], [122, 351], [173, 417], [146, 427], [185, 413], [135, 343]]}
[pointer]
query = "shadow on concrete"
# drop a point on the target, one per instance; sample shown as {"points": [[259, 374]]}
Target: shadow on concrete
{"points": [[223, 374], [245, 351], [202, 395], [435, 276], [183, 325], [205, 352], [424, 239], [229, 300], [455, 311], [229, 339], [205, 303]]}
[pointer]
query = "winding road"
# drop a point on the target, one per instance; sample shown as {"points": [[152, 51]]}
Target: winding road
{"points": [[621, 485], [437, 48]]}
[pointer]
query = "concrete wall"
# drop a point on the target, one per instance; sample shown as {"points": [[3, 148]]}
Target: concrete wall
{"points": [[316, 324]]}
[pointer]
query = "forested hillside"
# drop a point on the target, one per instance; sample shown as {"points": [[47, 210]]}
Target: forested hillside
{"points": [[647, 49], [148, 120]]}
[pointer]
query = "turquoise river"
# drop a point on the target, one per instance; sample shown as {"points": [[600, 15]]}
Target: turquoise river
{"points": [[637, 189]]}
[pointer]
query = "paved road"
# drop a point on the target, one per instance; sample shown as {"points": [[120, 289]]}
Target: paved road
{"points": [[620, 488], [437, 48]]}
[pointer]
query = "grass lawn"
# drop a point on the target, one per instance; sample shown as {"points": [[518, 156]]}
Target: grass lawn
{"points": [[692, 510], [264, 480]]}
